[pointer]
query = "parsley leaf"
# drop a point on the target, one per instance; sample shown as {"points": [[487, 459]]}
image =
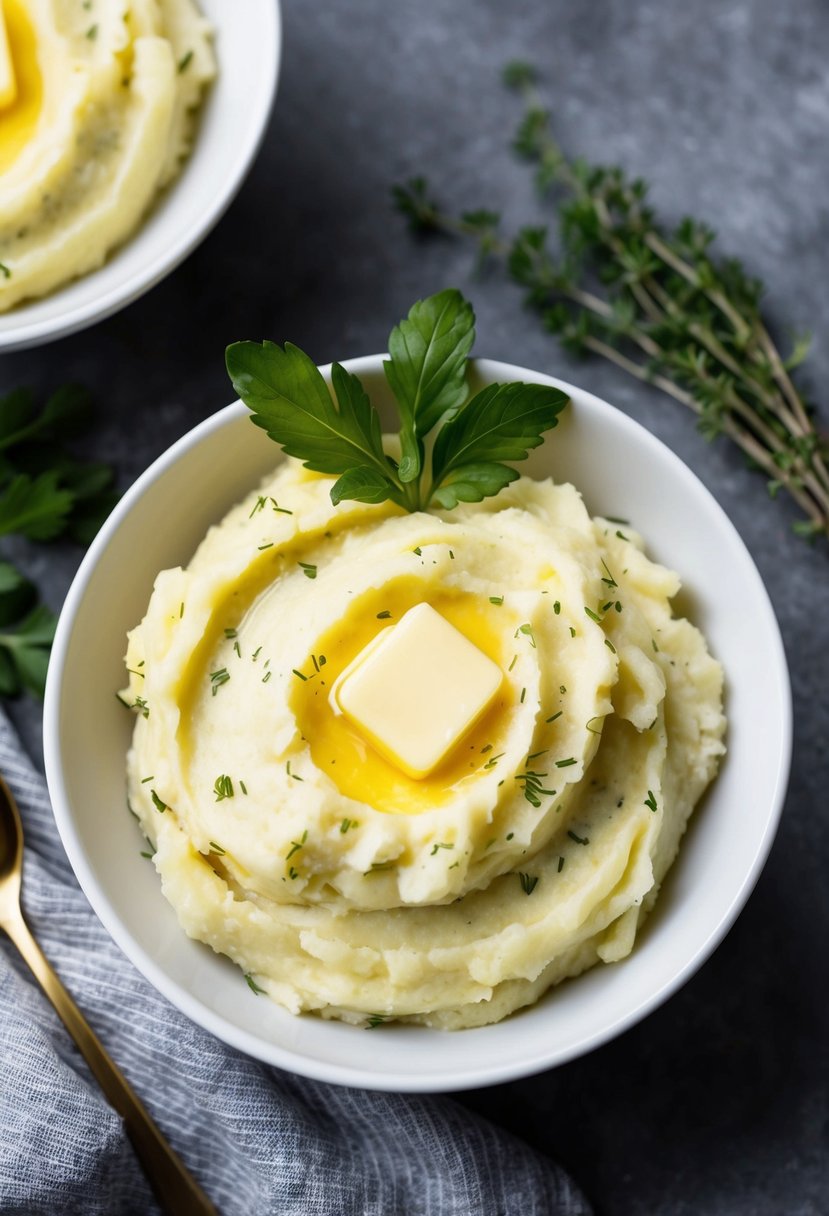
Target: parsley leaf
{"points": [[427, 369], [45, 492], [34, 507], [26, 632], [502, 422], [290, 400]]}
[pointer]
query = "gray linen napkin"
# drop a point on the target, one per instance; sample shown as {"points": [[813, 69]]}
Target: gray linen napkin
{"points": [[259, 1140]]}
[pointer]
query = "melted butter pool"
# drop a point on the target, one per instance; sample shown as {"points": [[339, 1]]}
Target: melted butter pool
{"points": [[342, 753], [19, 119]]}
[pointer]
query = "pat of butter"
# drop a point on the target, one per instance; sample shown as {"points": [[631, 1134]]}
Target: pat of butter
{"points": [[416, 690], [8, 82]]}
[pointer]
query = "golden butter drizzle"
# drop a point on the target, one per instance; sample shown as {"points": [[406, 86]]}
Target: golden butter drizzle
{"points": [[19, 119]]}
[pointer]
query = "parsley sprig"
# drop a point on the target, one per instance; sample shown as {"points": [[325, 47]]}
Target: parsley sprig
{"points": [[426, 370], [655, 303], [45, 493]]}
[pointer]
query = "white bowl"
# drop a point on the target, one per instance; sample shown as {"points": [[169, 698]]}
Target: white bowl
{"points": [[248, 39], [622, 471]]}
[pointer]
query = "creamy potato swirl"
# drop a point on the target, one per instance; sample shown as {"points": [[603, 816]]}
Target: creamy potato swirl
{"points": [[104, 116], [346, 887]]}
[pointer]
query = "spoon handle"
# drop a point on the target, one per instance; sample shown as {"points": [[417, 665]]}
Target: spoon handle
{"points": [[176, 1190]]}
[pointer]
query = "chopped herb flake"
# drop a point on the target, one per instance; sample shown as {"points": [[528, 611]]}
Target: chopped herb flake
{"points": [[252, 984], [650, 801], [566, 763], [223, 787], [527, 630], [496, 599], [158, 803], [610, 581], [533, 787], [309, 570], [218, 678], [579, 839], [296, 845], [528, 882]]}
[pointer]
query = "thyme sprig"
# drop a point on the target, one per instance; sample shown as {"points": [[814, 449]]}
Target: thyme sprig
{"points": [[656, 303]]}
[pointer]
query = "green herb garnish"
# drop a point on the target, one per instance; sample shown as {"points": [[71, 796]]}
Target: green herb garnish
{"points": [[533, 786], [218, 678], [426, 371], [223, 787], [528, 882], [158, 803], [654, 302], [650, 801], [440, 845], [252, 984], [296, 845], [45, 492], [579, 839]]}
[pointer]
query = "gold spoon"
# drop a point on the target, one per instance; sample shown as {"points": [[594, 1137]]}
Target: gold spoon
{"points": [[176, 1190]]}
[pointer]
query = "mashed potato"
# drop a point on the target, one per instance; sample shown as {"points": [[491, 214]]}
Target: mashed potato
{"points": [[340, 884], [106, 93]]}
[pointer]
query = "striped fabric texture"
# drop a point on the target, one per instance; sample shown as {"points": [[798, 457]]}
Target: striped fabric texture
{"points": [[259, 1140]]}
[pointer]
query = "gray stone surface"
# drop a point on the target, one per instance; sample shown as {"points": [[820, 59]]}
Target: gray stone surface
{"points": [[717, 1103]]}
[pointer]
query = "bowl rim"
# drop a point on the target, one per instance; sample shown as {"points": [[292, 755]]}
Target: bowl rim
{"points": [[127, 291], [411, 1080]]}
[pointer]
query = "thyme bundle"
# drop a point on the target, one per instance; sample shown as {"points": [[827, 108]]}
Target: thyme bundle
{"points": [[656, 303]]}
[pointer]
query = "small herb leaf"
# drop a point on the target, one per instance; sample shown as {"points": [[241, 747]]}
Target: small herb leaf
{"points": [[427, 369], [502, 422], [290, 400]]}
